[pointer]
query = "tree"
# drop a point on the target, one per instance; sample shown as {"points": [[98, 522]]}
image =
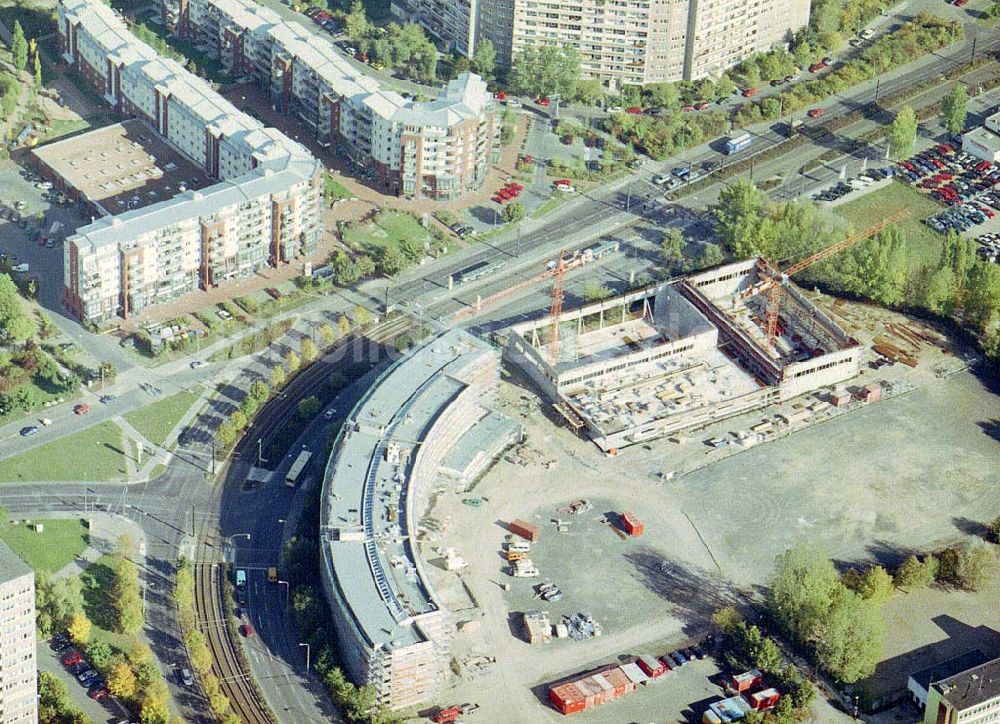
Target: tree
{"points": [[546, 71], [343, 324], [954, 107], [238, 420], [801, 591], [100, 655], [125, 593], [752, 649], [226, 433], [278, 377], [292, 361], [361, 315], [326, 335], [711, 255], [589, 91], [201, 657], [38, 72], [513, 212], [259, 390], [19, 47], [995, 529], [121, 681], [594, 292], [79, 628], [976, 561], [742, 224], [308, 350], [672, 247], [55, 601], [663, 95], [903, 132], [20, 329], [725, 620], [914, 573], [484, 60], [391, 260], [872, 584], [849, 640], [153, 705], [308, 407], [356, 24], [982, 295]]}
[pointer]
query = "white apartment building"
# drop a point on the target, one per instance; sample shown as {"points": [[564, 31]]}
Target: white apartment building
{"points": [[621, 42], [439, 149], [266, 210], [18, 667]]}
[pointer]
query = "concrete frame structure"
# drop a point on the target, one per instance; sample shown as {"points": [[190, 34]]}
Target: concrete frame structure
{"points": [[393, 631], [969, 697], [680, 356], [621, 42], [440, 149], [265, 211], [18, 666]]}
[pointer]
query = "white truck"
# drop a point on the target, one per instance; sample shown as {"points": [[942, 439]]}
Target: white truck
{"points": [[524, 568]]}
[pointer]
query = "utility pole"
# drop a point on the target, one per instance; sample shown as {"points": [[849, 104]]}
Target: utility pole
{"points": [[192, 521], [972, 57], [213, 456], [260, 451], [307, 656]]}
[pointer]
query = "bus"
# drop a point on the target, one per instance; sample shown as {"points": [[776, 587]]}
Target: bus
{"points": [[295, 472], [478, 271], [738, 143]]}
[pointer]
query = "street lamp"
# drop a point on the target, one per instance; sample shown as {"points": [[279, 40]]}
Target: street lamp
{"points": [[229, 543], [285, 584], [307, 656]]}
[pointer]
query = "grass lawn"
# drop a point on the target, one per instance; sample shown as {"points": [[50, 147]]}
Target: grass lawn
{"points": [[924, 242], [97, 579], [94, 454], [333, 190], [62, 127], [157, 420], [389, 228], [61, 541]]}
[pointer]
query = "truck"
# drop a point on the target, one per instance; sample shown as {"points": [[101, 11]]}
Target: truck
{"points": [[738, 143], [524, 568], [241, 578]]}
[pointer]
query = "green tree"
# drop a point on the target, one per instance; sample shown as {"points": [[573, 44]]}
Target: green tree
{"points": [[125, 595], [710, 255], [249, 407], [903, 132], [343, 324], [742, 223], [663, 95], [484, 60], [19, 47], [954, 108], [56, 601], [976, 561], [308, 350], [391, 261], [356, 24], [850, 639], [361, 316], [725, 620], [801, 591], [278, 377], [100, 655], [546, 71], [672, 247], [914, 573], [589, 91], [20, 329], [594, 291], [940, 291], [226, 433], [982, 295], [259, 390], [38, 72], [201, 657], [513, 212], [308, 407], [750, 648], [153, 704], [292, 361], [238, 420], [121, 681], [995, 529], [872, 584], [326, 335]]}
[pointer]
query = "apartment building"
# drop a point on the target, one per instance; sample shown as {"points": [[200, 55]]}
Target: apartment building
{"points": [[621, 42], [971, 696], [18, 668], [439, 149], [265, 210]]}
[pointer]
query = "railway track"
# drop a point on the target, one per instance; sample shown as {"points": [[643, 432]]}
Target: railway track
{"points": [[234, 682]]}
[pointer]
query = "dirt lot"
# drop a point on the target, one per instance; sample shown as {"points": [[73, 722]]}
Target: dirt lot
{"points": [[908, 473]]}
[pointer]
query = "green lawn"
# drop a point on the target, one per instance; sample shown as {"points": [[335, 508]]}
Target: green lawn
{"points": [[333, 190], [388, 228], [97, 580], [92, 455], [157, 420], [60, 542], [924, 242], [61, 127]]}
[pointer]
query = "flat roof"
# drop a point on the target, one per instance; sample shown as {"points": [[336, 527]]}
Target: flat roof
{"points": [[367, 492], [11, 565], [123, 166], [971, 687], [946, 669], [481, 436]]}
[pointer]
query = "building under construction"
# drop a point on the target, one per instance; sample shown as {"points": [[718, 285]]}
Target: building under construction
{"points": [[683, 354]]}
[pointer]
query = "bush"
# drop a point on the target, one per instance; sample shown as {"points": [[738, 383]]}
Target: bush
{"points": [[914, 573]]}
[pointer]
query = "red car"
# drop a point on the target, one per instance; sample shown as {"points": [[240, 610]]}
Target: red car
{"points": [[687, 108], [543, 101], [634, 110], [498, 199], [702, 106], [816, 67], [81, 409], [528, 159], [72, 658], [362, 57], [98, 693], [500, 96], [246, 629], [816, 112], [749, 92]]}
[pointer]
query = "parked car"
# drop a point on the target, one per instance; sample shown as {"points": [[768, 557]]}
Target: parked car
{"points": [[98, 693], [661, 178], [817, 67], [749, 92], [82, 409], [84, 676], [29, 430], [816, 112], [246, 629], [543, 101], [185, 677]]}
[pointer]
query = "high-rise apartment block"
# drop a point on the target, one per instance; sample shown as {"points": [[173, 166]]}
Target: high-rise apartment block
{"points": [[18, 667], [621, 42], [264, 210], [439, 149]]}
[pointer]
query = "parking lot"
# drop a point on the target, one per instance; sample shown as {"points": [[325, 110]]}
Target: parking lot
{"points": [[105, 710]]}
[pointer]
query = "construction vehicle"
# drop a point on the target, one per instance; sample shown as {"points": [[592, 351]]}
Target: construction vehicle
{"points": [[516, 555], [772, 280], [451, 714]]}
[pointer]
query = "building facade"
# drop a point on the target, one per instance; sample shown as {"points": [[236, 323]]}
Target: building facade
{"points": [[439, 149], [393, 631], [621, 42], [969, 697], [18, 667], [265, 210]]}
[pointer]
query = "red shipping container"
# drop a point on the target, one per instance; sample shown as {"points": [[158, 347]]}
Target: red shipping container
{"points": [[567, 698], [631, 523], [526, 530], [652, 667], [747, 680], [764, 699]]}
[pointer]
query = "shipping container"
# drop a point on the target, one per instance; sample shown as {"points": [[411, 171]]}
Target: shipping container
{"points": [[590, 690], [747, 680], [727, 710], [871, 393], [526, 530], [634, 673], [653, 667], [765, 699], [631, 523]]}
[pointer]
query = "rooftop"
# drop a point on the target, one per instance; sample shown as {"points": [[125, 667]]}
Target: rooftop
{"points": [[11, 565], [367, 482], [121, 167], [971, 687], [946, 669]]}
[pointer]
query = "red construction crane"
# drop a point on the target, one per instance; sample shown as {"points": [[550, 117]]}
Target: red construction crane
{"points": [[557, 303], [772, 279]]}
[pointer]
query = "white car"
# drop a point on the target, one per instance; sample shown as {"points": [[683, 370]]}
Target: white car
{"points": [[21, 268], [615, 109], [867, 33], [224, 315], [513, 103], [661, 178], [329, 414]]}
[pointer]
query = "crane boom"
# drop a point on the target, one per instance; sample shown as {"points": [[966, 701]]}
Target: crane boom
{"points": [[557, 303]]}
